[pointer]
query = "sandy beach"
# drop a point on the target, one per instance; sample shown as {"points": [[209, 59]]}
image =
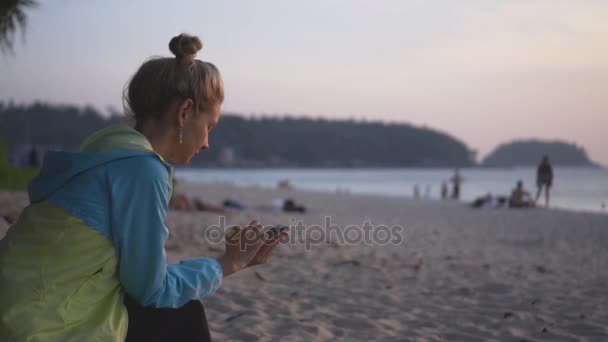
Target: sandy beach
{"points": [[454, 273]]}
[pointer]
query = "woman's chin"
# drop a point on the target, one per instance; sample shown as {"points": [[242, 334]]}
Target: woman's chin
{"points": [[181, 161]]}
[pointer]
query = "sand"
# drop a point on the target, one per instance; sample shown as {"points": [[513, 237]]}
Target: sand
{"points": [[459, 274]]}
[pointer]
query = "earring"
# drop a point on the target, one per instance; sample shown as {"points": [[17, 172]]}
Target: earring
{"points": [[181, 135]]}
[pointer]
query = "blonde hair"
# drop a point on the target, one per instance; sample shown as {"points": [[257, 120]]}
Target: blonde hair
{"points": [[160, 82]]}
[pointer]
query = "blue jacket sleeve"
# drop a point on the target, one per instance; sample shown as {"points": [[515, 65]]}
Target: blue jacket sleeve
{"points": [[139, 190]]}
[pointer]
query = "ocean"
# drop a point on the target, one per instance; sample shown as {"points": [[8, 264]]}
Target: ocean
{"points": [[580, 189]]}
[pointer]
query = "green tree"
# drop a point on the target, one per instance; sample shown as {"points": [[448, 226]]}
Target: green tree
{"points": [[12, 17]]}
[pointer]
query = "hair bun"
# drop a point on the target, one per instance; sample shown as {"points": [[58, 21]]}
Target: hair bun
{"points": [[185, 46]]}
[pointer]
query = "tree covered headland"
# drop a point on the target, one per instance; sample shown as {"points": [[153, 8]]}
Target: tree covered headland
{"points": [[260, 142], [530, 152]]}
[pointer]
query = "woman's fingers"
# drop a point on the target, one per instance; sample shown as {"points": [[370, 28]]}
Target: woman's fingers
{"points": [[233, 233], [283, 236], [253, 244], [251, 234], [265, 252], [251, 241]]}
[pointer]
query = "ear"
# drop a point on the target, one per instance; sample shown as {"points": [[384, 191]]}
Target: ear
{"points": [[182, 111]]}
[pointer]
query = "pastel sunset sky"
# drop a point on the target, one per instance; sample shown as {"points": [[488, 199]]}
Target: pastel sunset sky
{"points": [[485, 71]]}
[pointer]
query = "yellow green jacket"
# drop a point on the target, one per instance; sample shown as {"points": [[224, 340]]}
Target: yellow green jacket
{"points": [[94, 230]]}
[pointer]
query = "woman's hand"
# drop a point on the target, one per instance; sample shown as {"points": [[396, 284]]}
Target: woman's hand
{"points": [[267, 248], [242, 246]]}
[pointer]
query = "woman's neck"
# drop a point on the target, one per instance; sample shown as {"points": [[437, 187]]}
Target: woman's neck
{"points": [[161, 139]]}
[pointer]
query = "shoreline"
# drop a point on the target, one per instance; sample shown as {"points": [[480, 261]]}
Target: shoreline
{"points": [[578, 190], [395, 197]]}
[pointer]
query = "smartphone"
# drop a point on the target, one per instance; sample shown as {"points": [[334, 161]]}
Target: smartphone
{"points": [[275, 231]]}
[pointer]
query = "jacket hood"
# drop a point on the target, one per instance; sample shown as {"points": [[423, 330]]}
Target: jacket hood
{"points": [[104, 146]]}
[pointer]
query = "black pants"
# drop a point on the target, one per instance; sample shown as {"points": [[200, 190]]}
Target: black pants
{"points": [[186, 324]]}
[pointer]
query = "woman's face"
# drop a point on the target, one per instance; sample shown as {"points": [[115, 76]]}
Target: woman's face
{"points": [[195, 133]]}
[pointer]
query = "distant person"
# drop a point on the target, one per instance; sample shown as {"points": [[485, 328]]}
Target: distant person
{"points": [[181, 202], [456, 181], [33, 158], [290, 206], [489, 201], [416, 191], [481, 201], [520, 198], [544, 178], [232, 204], [284, 184], [86, 259], [444, 190]]}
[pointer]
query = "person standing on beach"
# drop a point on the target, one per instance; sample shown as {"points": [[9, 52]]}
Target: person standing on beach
{"points": [[444, 190], [86, 259], [544, 178], [33, 158], [456, 181]]}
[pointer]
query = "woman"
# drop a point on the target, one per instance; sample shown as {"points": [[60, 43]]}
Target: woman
{"points": [[85, 261], [544, 178]]}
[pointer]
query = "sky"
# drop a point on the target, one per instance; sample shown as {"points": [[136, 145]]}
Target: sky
{"points": [[484, 71]]}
